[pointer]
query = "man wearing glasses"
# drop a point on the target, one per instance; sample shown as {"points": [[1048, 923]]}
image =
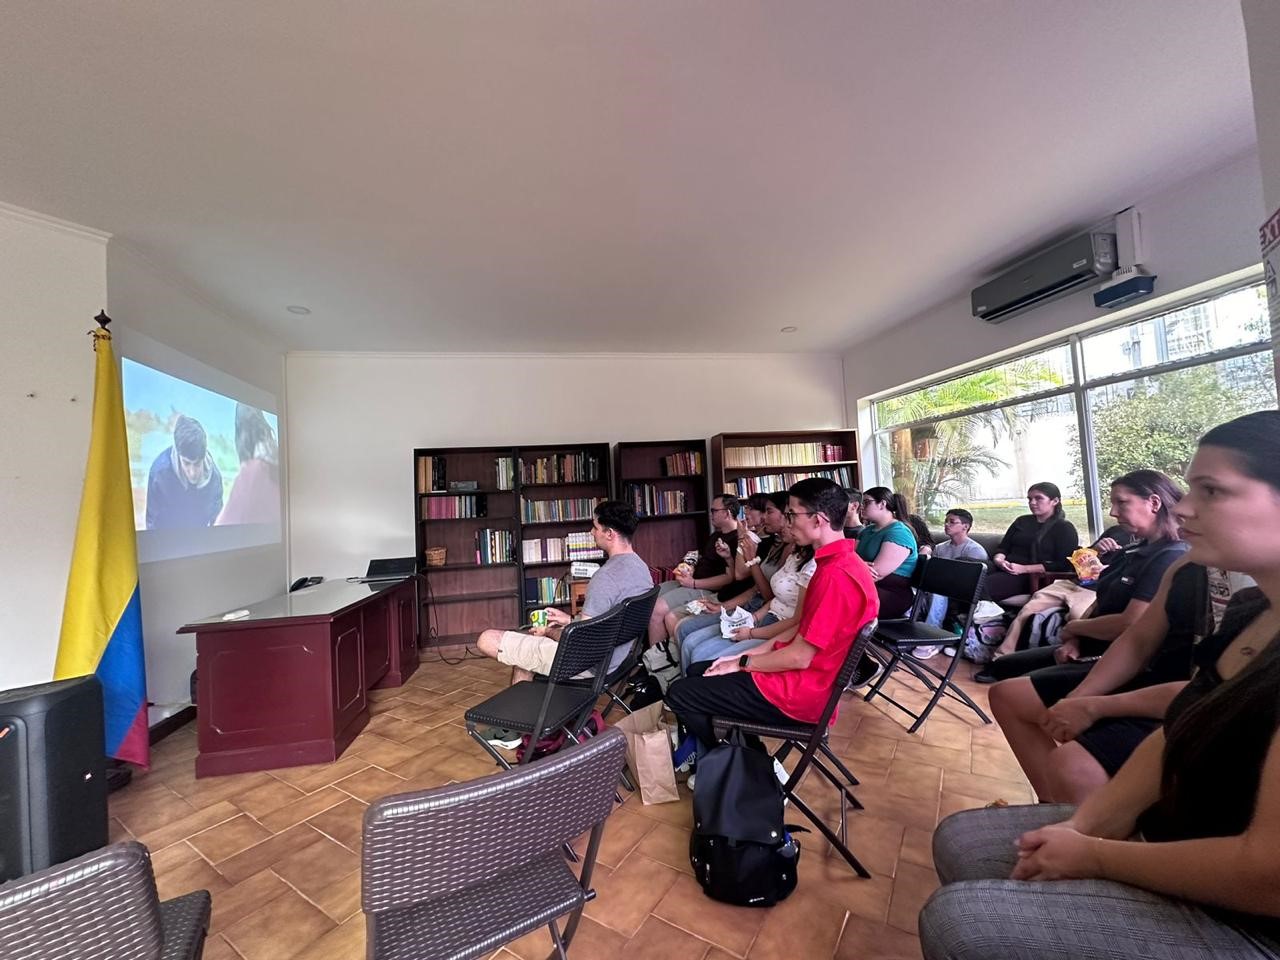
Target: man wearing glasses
{"points": [[711, 577], [789, 678]]}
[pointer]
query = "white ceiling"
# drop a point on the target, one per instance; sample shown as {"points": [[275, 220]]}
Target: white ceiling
{"points": [[602, 175]]}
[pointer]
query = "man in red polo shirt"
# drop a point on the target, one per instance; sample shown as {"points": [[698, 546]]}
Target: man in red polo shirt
{"points": [[788, 681]]}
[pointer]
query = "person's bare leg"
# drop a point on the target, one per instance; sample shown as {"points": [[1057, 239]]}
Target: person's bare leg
{"points": [[1073, 774], [1017, 708], [670, 621], [1029, 609], [657, 625], [518, 674], [488, 641]]}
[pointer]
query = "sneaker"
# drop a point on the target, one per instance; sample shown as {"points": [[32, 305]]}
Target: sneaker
{"points": [[689, 783], [867, 671], [949, 651], [926, 653], [780, 772], [502, 737]]}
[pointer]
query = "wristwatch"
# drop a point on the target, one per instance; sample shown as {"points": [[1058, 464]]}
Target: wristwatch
{"points": [[743, 661]]}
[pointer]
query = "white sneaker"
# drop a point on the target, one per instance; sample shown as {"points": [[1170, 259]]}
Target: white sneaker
{"points": [[926, 653], [949, 651], [780, 772], [689, 783]]}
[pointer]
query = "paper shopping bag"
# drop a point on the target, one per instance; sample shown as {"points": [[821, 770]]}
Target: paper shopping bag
{"points": [[649, 754]]}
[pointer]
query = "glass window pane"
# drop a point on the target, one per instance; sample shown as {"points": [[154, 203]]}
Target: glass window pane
{"points": [[1005, 381], [1154, 422], [985, 463], [1233, 319]]}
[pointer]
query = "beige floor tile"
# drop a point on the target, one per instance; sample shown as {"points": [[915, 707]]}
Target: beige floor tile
{"points": [[732, 928], [667, 844], [310, 778], [865, 940], [280, 930], [371, 783], [343, 823], [303, 808], [189, 825], [911, 888], [267, 798], [313, 869], [800, 926], [343, 942], [380, 751], [229, 838], [237, 902], [266, 854], [626, 896], [658, 940]]}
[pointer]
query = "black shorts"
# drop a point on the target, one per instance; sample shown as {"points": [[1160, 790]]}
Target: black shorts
{"points": [[1111, 741]]}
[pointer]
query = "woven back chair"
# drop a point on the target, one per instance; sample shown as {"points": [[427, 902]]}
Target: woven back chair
{"points": [[460, 870], [101, 906]]}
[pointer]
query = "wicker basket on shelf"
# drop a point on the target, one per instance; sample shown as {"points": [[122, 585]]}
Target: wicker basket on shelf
{"points": [[434, 556]]}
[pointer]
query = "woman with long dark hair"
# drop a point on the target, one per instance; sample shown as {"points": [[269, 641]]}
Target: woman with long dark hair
{"points": [[1202, 793], [1036, 542], [888, 544]]}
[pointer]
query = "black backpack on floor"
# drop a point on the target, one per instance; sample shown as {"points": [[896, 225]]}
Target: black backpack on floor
{"points": [[741, 851]]}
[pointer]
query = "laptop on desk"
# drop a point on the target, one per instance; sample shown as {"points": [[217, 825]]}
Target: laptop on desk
{"points": [[394, 568]]}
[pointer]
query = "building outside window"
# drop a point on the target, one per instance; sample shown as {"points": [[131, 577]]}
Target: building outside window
{"points": [[1079, 413]]}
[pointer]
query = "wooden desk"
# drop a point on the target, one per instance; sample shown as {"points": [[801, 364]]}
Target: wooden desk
{"points": [[287, 684]]}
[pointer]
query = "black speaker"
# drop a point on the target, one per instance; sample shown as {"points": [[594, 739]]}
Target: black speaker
{"points": [[53, 785]]}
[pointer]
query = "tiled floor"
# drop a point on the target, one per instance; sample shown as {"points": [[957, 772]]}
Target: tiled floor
{"points": [[279, 850]]}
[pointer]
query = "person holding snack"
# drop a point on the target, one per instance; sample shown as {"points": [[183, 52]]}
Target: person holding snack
{"points": [[709, 578], [623, 575]]}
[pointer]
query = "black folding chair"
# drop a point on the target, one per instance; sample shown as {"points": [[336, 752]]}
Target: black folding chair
{"points": [[541, 708], [460, 870], [812, 739], [895, 640], [636, 612]]}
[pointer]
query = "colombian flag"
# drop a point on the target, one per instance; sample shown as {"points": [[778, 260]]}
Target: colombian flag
{"points": [[102, 617]]}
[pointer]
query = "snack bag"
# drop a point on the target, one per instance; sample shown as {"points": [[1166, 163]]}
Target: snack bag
{"points": [[732, 620], [682, 569], [1087, 565]]}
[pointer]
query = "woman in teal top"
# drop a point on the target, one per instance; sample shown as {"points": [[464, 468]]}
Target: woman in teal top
{"points": [[889, 547]]}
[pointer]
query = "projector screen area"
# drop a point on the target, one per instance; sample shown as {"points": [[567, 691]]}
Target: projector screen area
{"points": [[204, 466]]}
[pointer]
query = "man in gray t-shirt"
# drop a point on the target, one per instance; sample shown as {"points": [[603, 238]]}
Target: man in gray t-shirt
{"points": [[623, 575], [957, 546]]}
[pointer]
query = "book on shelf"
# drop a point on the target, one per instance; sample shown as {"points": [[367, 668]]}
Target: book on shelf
{"points": [[743, 487], [494, 546], [505, 470], [783, 454], [575, 546], [544, 511], [454, 508], [648, 501], [545, 590], [560, 468], [686, 464], [431, 474]]}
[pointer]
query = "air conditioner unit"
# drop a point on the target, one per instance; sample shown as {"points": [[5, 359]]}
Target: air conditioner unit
{"points": [[1079, 262]]}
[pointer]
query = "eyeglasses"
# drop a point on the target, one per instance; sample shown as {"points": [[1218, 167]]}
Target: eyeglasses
{"points": [[719, 510], [792, 514]]}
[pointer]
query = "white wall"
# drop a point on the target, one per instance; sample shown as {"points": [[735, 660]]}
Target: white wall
{"points": [[354, 421], [143, 300], [52, 281], [1194, 232]]}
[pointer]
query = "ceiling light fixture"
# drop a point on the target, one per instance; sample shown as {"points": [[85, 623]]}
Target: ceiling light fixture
{"points": [[790, 329], [300, 311]]}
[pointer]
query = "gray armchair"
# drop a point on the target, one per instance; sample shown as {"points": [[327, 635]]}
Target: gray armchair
{"points": [[101, 906], [460, 870]]}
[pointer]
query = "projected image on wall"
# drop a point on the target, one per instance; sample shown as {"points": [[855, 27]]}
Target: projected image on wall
{"points": [[198, 459]]}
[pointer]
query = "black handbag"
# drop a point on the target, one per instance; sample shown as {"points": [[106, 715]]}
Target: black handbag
{"points": [[741, 851]]}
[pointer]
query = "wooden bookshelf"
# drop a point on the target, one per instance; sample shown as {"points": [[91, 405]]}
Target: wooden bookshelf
{"points": [[746, 463], [673, 515], [464, 596]]}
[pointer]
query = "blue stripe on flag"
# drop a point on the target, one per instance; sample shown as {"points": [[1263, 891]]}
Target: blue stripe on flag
{"points": [[123, 674]]}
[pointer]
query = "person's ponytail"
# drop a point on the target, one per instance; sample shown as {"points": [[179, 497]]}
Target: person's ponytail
{"points": [[899, 507]]}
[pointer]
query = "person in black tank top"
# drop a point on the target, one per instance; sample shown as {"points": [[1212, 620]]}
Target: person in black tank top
{"points": [[1176, 855]]}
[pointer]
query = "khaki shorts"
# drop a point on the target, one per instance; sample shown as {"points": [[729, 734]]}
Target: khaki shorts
{"points": [[1077, 599], [526, 651]]}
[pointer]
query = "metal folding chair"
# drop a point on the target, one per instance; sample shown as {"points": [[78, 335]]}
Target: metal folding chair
{"points": [[811, 739], [894, 640]]}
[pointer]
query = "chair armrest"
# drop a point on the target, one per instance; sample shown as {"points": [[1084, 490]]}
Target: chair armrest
{"points": [[100, 906]]}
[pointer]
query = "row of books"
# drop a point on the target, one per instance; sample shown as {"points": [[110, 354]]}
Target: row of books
{"points": [[544, 511], [506, 473], [772, 482], [687, 464], [576, 546], [494, 546], [782, 454], [561, 468], [452, 508], [545, 590], [648, 501], [431, 474]]}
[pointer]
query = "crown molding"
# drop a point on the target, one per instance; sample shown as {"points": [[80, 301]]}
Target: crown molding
{"points": [[22, 215]]}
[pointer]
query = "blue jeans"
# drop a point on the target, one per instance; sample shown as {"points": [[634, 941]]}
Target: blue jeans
{"points": [[706, 643]]}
